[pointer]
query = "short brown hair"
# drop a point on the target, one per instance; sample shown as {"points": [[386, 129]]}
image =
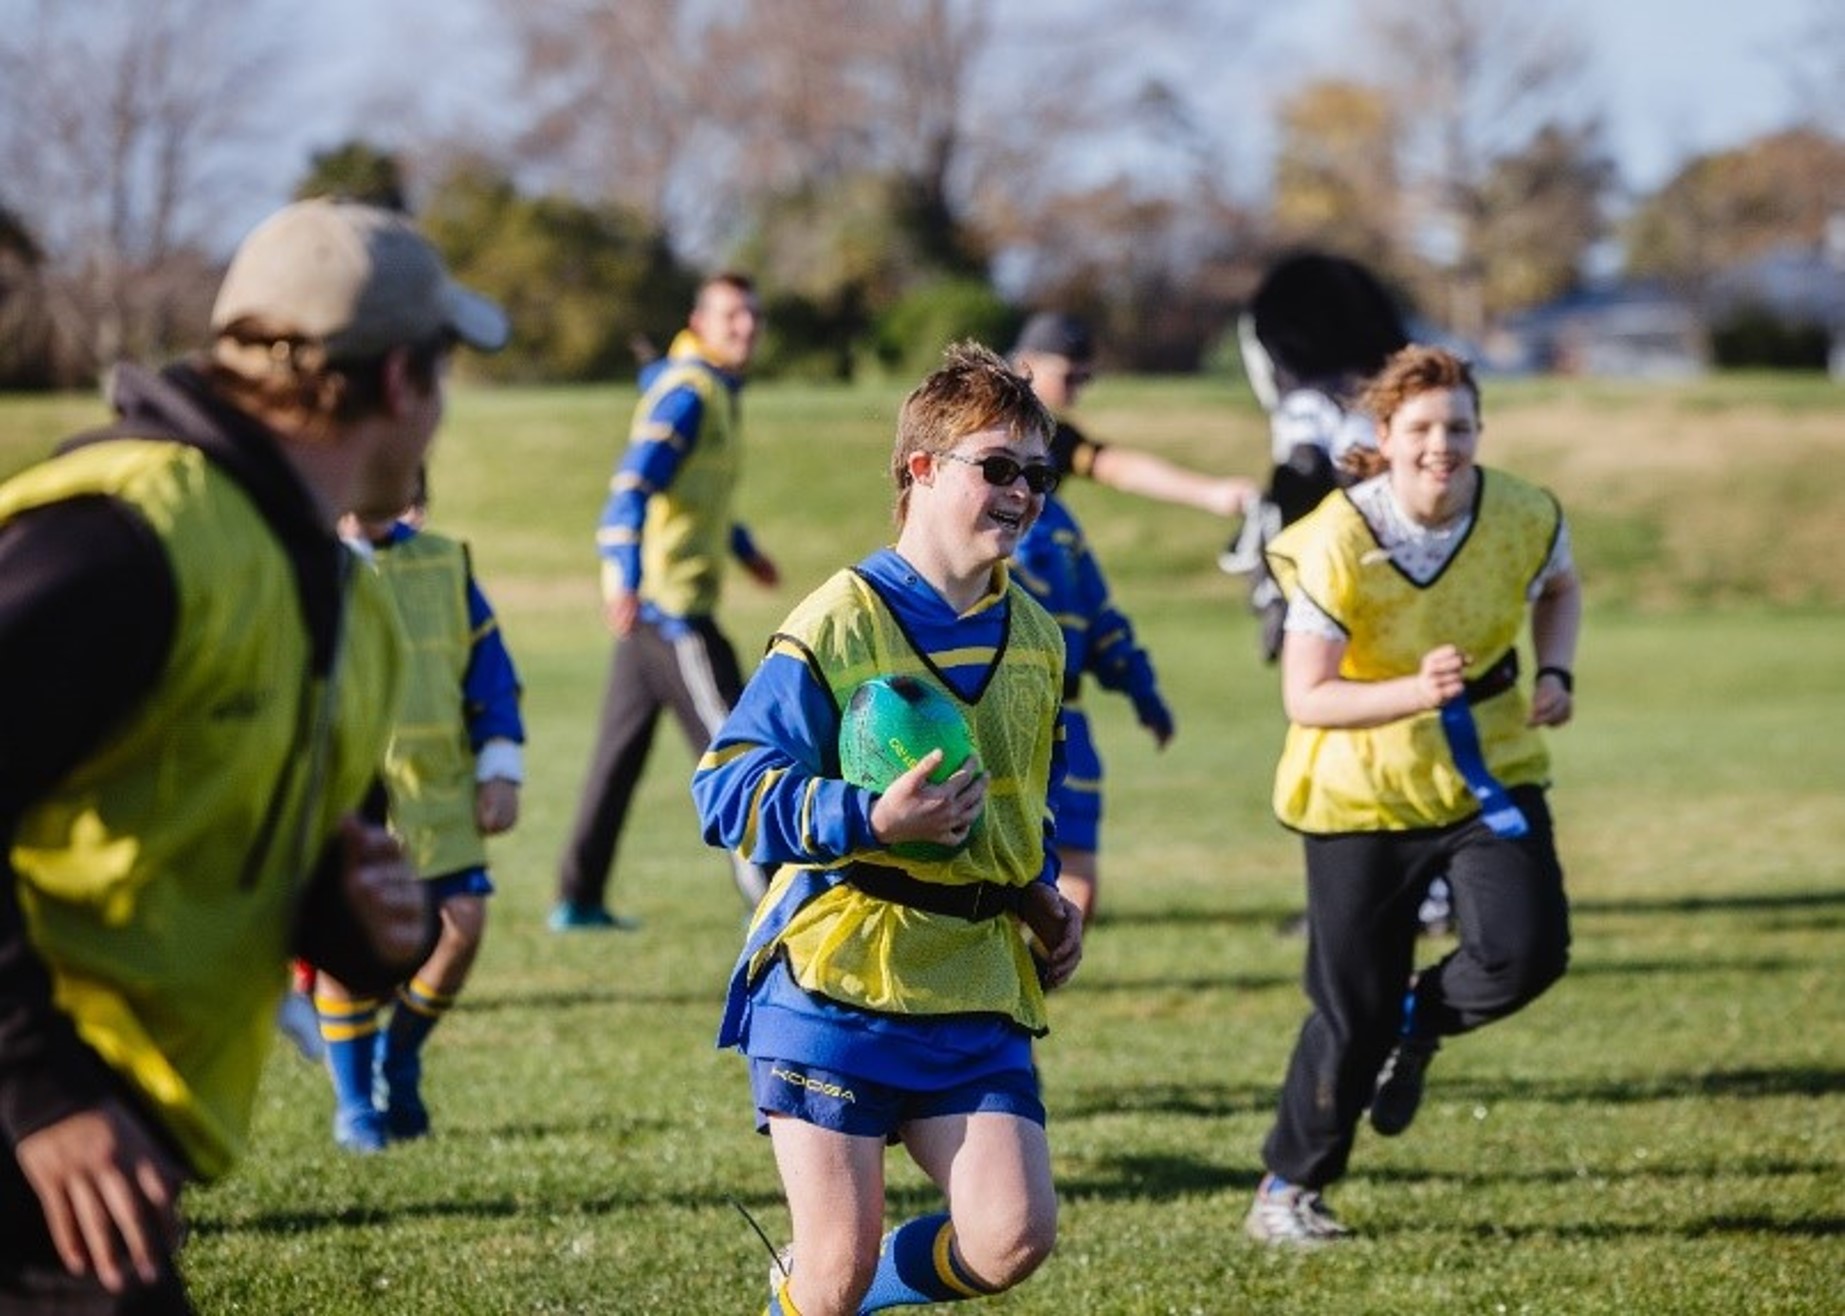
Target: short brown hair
{"points": [[974, 389], [257, 367], [1413, 370]]}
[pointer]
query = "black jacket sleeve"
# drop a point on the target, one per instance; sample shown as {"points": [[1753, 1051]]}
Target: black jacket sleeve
{"points": [[87, 611]]}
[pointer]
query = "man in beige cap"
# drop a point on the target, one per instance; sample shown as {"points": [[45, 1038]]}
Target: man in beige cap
{"points": [[196, 688]]}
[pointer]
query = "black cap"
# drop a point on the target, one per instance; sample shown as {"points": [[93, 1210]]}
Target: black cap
{"points": [[1055, 334]]}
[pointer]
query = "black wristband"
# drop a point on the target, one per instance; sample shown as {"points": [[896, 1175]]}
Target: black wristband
{"points": [[1563, 675]]}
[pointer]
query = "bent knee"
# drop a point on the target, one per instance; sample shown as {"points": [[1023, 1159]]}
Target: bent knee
{"points": [[1005, 1256], [831, 1279], [1517, 982]]}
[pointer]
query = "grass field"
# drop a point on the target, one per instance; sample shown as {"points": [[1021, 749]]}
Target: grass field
{"points": [[1663, 1132]]}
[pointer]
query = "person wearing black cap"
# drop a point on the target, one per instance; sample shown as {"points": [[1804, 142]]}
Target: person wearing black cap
{"points": [[197, 683], [1058, 352]]}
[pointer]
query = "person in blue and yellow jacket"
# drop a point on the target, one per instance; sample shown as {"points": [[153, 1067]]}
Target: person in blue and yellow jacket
{"points": [[196, 687], [666, 533], [1054, 563], [882, 997], [1411, 750]]}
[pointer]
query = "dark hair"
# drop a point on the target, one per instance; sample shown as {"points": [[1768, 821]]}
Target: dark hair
{"points": [[1323, 319], [726, 279]]}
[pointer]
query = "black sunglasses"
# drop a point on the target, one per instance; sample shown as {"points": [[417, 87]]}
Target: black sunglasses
{"points": [[1001, 470]]}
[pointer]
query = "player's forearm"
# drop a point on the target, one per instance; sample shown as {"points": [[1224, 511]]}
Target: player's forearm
{"points": [[1556, 622], [1148, 476]]}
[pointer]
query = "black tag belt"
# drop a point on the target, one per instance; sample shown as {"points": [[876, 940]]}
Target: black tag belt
{"points": [[974, 901], [1495, 680]]}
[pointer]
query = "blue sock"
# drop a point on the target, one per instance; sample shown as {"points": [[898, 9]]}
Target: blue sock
{"points": [[400, 1047], [918, 1265], [350, 1031]]}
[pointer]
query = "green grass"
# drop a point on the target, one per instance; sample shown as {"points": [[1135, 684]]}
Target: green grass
{"points": [[1663, 1132]]}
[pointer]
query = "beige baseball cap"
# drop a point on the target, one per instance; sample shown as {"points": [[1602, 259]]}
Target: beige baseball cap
{"points": [[358, 279]]}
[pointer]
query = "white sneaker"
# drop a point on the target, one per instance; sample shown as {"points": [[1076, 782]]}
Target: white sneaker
{"points": [[1287, 1215], [299, 1022]]}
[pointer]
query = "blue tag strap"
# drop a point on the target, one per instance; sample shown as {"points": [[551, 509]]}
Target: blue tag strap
{"points": [[1496, 807]]}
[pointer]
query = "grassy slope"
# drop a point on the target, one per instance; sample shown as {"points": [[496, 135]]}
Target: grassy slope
{"points": [[1661, 1133]]}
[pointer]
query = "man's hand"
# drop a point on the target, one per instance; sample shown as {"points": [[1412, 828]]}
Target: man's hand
{"points": [[1058, 926], [763, 570], [383, 892], [496, 805], [110, 1193], [621, 611]]}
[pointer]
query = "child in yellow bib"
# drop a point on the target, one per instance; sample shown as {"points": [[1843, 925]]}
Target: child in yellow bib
{"points": [[880, 996], [1412, 750]]}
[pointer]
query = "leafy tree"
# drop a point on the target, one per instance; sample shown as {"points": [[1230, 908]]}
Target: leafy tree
{"points": [[1337, 182], [1758, 337], [586, 287], [1725, 207], [356, 170], [912, 332], [1541, 213]]}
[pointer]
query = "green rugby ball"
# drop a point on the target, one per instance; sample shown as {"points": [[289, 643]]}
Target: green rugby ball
{"points": [[890, 723]]}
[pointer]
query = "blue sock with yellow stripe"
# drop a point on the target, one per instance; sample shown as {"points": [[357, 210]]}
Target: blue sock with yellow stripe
{"points": [[420, 1008], [917, 1264], [350, 1031]]}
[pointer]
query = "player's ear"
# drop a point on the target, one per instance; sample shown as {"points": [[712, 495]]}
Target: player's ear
{"points": [[920, 464]]}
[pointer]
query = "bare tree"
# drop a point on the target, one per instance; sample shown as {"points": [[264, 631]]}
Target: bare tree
{"points": [[114, 116], [1543, 212], [1815, 62], [1475, 81], [984, 114], [613, 91]]}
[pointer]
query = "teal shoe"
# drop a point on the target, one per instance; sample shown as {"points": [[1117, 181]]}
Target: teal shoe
{"points": [[568, 917]]}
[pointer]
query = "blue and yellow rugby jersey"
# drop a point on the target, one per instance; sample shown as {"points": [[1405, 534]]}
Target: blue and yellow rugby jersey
{"points": [[666, 523], [1054, 563], [770, 787], [463, 692]]}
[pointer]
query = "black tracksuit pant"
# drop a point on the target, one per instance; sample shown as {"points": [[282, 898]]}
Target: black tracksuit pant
{"points": [[1363, 891], [692, 672]]}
